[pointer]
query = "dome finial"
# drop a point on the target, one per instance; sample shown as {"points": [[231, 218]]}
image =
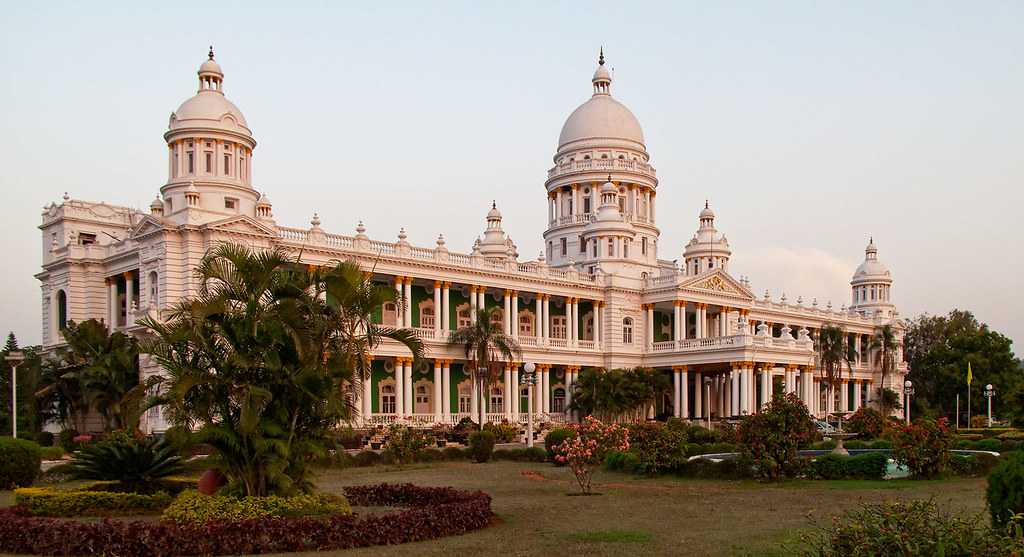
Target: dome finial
{"points": [[600, 57], [211, 52], [494, 204], [706, 204], [609, 177]]}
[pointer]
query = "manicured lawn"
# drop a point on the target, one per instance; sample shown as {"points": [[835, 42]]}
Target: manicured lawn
{"points": [[635, 516]]}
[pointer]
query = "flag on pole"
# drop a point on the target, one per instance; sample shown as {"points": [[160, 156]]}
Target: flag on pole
{"points": [[970, 376]]}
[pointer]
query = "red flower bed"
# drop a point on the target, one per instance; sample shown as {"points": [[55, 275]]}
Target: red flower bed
{"points": [[432, 512]]}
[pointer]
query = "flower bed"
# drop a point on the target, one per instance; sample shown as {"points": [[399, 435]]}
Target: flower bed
{"points": [[432, 512], [96, 499]]}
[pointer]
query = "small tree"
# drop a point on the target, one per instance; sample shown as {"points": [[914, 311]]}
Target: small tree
{"points": [[486, 345], [586, 450], [772, 437], [866, 421], [923, 447], [884, 345], [833, 356]]}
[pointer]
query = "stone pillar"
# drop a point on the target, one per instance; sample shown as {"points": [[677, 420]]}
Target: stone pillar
{"points": [[702, 313], [474, 395], [575, 321], [650, 324], [407, 293], [515, 392], [112, 306], [507, 386], [437, 306], [844, 396], [546, 321], [507, 314], [698, 396], [570, 379], [546, 392], [367, 400], [410, 406], [675, 320], [856, 347], [766, 385], [515, 314], [684, 393], [677, 400], [446, 389], [446, 308], [682, 320], [598, 317], [400, 386], [473, 310], [129, 296], [438, 388], [856, 395], [538, 318], [735, 388]]}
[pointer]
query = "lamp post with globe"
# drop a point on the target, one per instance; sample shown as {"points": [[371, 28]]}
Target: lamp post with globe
{"points": [[529, 379], [908, 391], [990, 392]]}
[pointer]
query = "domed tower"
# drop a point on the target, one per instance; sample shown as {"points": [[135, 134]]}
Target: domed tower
{"points": [[496, 245], [706, 250], [601, 152], [210, 149], [872, 285]]}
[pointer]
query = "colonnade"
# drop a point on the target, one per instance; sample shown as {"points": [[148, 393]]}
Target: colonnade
{"points": [[723, 322]]}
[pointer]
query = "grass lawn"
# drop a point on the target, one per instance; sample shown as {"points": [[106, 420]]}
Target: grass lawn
{"points": [[636, 516]]}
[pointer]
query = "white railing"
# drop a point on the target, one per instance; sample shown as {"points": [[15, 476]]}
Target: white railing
{"points": [[528, 341], [602, 164], [664, 346], [586, 344], [557, 342], [429, 420]]}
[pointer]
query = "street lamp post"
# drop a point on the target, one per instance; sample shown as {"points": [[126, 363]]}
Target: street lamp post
{"points": [[908, 391], [14, 357], [528, 379], [990, 392]]}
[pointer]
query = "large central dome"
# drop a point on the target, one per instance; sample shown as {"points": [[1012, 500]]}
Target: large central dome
{"points": [[602, 119]]}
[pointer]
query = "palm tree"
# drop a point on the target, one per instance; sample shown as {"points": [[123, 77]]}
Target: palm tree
{"points": [[833, 356], [486, 345], [884, 346], [262, 359]]}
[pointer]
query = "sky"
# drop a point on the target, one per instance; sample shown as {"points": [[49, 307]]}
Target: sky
{"points": [[809, 126]]}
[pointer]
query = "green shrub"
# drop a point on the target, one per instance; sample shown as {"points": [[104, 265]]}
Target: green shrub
{"points": [[67, 440], [830, 467], [881, 444], [867, 421], [857, 444], [429, 455], [923, 447], [181, 438], [192, 507], [553, 439], [42, 501], [973, 466], [138, 463], [51, 453], [19, 462], [728, 469], [503, 454], [1010, 445], [504, 432], [867, 466], [534, 454], [481, 445], [970, 436], [454, 453], [993, 445], [403, 443], [1005, 492], [45, 439], [658, 448], [824, 445], [1011, 436], [914, 528], [700, 435], [621, 461], [366, 458]]}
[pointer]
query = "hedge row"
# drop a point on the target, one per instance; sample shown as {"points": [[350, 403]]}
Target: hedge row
{"points": [[192, 507], [433, 512], [343, 459], [42, 501], [868, 466]]}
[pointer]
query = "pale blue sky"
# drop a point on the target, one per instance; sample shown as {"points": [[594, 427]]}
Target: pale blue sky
{"points": [[809, 125]]}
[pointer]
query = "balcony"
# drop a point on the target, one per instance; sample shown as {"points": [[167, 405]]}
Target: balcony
{"points": [[603, 165]]}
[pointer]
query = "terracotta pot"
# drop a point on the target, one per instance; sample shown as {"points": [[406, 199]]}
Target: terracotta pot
{"points": [[211, 481]]}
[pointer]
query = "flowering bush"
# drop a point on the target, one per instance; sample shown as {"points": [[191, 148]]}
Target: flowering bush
{"points": [[772, 437], [866, 421], [404, 442], [923, 447], [427, 513], [503, 431], [586, 450]]}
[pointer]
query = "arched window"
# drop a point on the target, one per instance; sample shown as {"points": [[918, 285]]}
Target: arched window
{"points": [[154, 289], [387, 399], [390, 313], [497, 316], [427, 318], [62, 310], [627, 331], [558, 400], [526, 324], [462, 315]]}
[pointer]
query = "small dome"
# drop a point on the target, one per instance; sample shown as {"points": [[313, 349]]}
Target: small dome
{"points": [[494, 213], [707, 213], [602, 74], [601, 117], [871, 268], [156, 204], [210, 66], [209, 107], [609, 187]]}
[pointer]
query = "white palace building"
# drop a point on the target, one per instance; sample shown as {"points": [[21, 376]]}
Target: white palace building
{"points": [[599, 296]]}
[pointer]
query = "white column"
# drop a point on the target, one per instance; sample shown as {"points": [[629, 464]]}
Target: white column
{"points": [[367, 399], [844, 396], [546, 320], [507, 314], [538, 317], [675, 321], [538, 390], [677, 399], [481, 298], [474, 400], [129, 289], [570, 379], [437, 305], [112, 303], [407, 292], [546, 394], [650, 325], [558, 204], [684, 385], [735, 392], [698, 322], [446, 390], [410, 406], [598, 318], [507, 399], [399, 309], [682, 320], [766, 387], [856, 395], [515, 314], [399, 386], [514, 395], [698, 396], [472, 304], [568, 322], [446, 308], [856, 346], [438, 388]]}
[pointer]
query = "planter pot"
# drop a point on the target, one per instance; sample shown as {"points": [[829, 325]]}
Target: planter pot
{"points": [[210, 482]]}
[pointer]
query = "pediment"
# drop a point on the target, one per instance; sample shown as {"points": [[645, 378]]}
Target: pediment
{"points": [[147, 225], [718, 282], [240, 224]]}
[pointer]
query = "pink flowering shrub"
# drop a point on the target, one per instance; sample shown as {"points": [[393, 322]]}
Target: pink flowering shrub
{"points": [[586, 448]]}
